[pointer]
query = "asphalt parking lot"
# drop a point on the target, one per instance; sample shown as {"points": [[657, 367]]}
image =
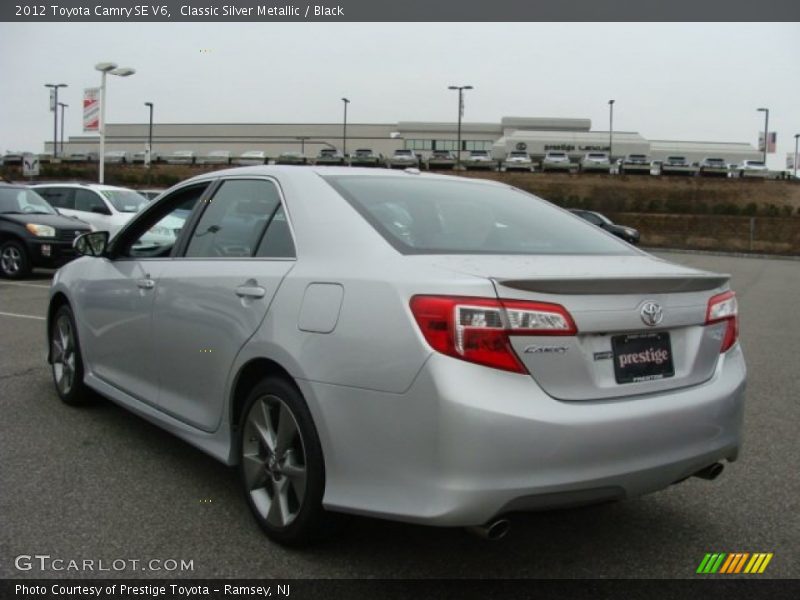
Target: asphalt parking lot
{"points": [[99, 483]]}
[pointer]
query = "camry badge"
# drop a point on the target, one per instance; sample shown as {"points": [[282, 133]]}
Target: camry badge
{"points": [[652, 314]]}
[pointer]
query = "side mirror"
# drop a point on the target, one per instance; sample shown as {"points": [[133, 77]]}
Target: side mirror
{"points": [[93, 243]]}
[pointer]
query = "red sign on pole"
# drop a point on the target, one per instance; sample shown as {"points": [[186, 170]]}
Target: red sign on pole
{"points": [[91, 109]]}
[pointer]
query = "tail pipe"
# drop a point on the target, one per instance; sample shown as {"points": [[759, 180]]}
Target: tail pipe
{"points": [[710, 472], [492, 531]]}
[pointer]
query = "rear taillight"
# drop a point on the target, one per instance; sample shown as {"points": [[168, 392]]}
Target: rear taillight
{"points": [[478, 329], [723, 307]]}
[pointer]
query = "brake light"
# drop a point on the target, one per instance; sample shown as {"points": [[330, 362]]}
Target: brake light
{"points": [[724, 307], [478, 329]]}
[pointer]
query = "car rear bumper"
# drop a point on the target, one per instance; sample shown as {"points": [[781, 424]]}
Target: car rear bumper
{"points": [[466, 443]]}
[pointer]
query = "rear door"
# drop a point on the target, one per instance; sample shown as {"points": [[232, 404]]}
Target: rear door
{"points": [[92, 209], [211, 300]]}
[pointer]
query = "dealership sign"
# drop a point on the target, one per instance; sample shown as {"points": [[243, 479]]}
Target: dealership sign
{"points": [[573, 147], [91, 109]]}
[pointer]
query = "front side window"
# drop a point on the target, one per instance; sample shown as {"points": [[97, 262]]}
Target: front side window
{"points": [[428, 216], [89, 201], [235, 219]]}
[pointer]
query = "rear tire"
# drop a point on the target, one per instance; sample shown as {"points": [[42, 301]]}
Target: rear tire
{"points": [[281, 466], [65, 359], [14, 260]]}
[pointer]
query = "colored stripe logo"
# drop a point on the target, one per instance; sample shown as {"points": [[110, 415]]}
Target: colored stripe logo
{"points": [[734, 562]]}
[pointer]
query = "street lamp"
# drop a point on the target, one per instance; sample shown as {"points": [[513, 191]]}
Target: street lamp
{"points": [[105, 68], [303, 139], [63, 106], [149, 151], [54, 87], [766, 131], [610, 131], [344, 131], [796, 137], [460, 89]]}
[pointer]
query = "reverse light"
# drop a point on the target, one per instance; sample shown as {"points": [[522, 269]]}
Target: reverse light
{"points": [[724, 307], [41, 230], [478, 329]]}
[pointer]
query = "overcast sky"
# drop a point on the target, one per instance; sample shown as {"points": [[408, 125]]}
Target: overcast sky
{"points": [[670, 81]]}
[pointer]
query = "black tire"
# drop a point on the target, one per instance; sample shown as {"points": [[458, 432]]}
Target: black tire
{"points": [[14, 260], [309, 521], [76, 393]]}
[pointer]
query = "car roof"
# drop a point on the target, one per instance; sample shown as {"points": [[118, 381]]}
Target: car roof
{"points": [[77, 184]]}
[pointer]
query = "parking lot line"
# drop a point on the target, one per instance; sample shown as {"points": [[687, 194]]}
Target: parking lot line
{"points": [[7, 314], [35, 285]]}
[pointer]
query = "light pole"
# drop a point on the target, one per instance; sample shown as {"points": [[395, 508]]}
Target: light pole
{"points": [[54, 87], [63, 106], [105, 68], [766, 131], [303, 139], [460, 89], [149, 151], [611, 131], [796, 137], [344, 131]]}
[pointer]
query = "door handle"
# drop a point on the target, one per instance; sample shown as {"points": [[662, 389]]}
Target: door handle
{"points": [[145, 284], [250, 291]]}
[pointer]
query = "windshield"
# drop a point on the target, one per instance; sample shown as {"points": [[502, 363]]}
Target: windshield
{"points": [[402, 152], [556, 154], [24, 201], [126, 201], [363, 152], [520, 154], [436, 216]]}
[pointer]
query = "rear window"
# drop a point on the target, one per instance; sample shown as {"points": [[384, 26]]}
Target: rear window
{"points": [[418, 215]]}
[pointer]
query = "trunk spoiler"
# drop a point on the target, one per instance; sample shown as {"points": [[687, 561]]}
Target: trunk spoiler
{"points": [[618, 285]]}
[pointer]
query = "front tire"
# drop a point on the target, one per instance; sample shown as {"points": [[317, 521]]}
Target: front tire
{"points": [[280, 463], [14, 260], [65, 359]]}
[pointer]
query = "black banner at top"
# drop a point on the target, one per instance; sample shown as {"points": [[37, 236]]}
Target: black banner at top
{"points": [[398, 10]]}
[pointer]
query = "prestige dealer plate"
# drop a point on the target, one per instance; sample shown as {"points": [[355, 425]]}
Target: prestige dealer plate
{"points": [[642, 357]]}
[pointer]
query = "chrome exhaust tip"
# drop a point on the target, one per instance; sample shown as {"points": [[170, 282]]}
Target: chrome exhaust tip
{"points": [[492, 531], [710, 472]]}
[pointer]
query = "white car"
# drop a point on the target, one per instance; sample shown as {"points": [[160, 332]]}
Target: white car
{"points": [[403, 159], [556, 161], [215, 157], [753, 168], [479, 159], [181, 157], [138, 157], [635, 163], [251, 157], [518, 161], [677, 165], [597, 162], [117, 156], [103, 207]]}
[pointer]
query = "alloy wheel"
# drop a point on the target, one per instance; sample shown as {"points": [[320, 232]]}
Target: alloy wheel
{"points": [[63, 342], [11, 260]]}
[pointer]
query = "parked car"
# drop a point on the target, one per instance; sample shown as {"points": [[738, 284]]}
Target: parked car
{"points": [[180, 157], [330, 157], [291, 158], [713, 167], [518, 160], [150, 194], [77, 157], [634, 164], [117, 156], [13, 158], [451, 351], [403, 158], [556, 161], [629, 234], [32, 233], [251, 157], [103, 207], [479, 160], [753, 168], [45, 158], [677, 165], [441, 160], [365, 157], [595, 162], [138, 157], [215, 157]]}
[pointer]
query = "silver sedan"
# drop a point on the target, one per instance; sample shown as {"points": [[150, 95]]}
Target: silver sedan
{"points": [[416, 347]]}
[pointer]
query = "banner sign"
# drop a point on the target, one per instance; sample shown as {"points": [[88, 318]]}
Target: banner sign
{"points": [[91, 109], [772, 142]]}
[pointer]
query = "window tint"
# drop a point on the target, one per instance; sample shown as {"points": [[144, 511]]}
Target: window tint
{"points": [[86, 199], [155, 233], [234, 219], [277, 241], [58, 197], [418, 215]]}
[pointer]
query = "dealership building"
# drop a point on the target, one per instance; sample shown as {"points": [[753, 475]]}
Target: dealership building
{"points": [[531, 134]]}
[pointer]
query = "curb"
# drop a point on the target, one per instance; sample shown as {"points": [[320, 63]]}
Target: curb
{"points": [[721, 253]]}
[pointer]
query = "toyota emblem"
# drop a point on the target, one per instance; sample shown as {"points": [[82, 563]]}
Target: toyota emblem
{"points": [[522, 146], [652, 314]]}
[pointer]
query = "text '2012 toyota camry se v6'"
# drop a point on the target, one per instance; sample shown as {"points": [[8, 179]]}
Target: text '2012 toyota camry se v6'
{"points": [[416, 347]]}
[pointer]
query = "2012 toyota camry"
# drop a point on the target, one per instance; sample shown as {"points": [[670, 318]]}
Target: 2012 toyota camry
{"points": [[417, 347]]}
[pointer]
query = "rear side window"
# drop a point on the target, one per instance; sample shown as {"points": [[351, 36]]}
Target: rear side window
{"points": [[235, 219], [85, 200], [418, 215], [58, 197]]}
